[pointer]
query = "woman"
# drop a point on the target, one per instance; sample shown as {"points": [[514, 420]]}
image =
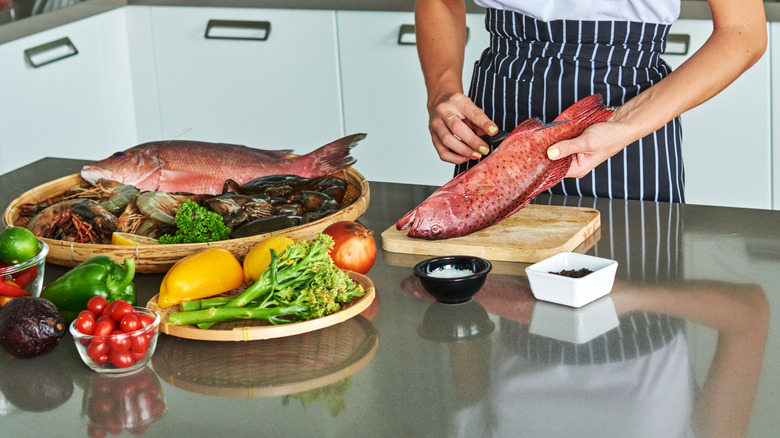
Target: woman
{"points": [[544, 56]]}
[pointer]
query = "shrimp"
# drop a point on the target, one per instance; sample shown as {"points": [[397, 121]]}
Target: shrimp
{"points": [[77, 220]]}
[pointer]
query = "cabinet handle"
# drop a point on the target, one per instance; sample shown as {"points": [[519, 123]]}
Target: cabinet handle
{"points": [[677, 44], [407, 36], [53, 51], [238, 30]]}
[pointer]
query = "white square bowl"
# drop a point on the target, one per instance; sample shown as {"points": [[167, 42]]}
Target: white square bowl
{"points": [[573, 292]]}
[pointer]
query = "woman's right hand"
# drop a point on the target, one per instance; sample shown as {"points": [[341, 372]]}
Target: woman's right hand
{"points": [[456, 124]]}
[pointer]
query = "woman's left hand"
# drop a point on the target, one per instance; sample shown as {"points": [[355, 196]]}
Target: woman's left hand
{"points": [[594, 146]]}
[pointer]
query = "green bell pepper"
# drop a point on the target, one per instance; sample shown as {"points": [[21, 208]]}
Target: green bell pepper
{"points": [[98, 276]]}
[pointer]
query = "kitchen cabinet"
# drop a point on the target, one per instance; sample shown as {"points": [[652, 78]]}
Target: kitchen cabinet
{"points": [[726, 140], [774, 49], [384, 94], [266, 78], [66, 92]]}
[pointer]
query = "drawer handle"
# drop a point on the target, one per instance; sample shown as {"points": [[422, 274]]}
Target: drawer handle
{"points": [[677, 44], [50, 52], [407, 36], [238, 30]]}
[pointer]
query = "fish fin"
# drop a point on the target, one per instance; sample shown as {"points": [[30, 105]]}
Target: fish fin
{"points": [[334, 156], [406, 221], [589, 110], [527, 125]]}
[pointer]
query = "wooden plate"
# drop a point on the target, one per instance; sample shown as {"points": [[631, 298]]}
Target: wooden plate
{"points": [[255, 330], [159, 258]]}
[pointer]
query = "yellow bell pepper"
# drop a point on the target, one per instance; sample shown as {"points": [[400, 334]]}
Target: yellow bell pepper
{"points": [[202, 274]]}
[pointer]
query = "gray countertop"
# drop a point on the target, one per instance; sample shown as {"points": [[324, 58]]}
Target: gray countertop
{"points": [[10, 30], [691, 297]]}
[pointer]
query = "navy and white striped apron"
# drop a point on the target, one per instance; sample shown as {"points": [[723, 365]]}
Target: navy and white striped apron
{"points": [[538, 69]]}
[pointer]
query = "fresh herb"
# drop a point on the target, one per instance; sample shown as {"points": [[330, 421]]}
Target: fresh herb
{"points": [[195, 224], [301, 283]]}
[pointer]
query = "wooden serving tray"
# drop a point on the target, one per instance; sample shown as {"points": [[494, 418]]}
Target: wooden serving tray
{"points": [[532, 234], [255, 330], [159, 258]]}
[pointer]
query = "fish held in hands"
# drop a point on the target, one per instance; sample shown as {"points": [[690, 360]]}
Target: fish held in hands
{"points": [[202, 168], [506, 180]]}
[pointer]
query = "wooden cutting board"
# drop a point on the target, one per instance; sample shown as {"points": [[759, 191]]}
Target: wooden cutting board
{"points": [[532, 234]]}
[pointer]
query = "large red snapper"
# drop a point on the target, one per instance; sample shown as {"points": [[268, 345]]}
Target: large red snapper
{"points": [[506, 180], [202, 168]]}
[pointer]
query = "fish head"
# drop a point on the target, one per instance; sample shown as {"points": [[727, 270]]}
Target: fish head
{"points": [[139, 167], [440, 217]]}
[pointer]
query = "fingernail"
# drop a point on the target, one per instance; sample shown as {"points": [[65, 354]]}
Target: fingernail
{"points": [[484, 149], [492, 130], [476, 156], [552, 153]]}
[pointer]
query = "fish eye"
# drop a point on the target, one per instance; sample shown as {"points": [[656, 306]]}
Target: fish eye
{"points": [[120, 154], [435, 229]]}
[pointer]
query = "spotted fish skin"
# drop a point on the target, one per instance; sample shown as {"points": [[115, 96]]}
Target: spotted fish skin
{"points": [[506, 180]]}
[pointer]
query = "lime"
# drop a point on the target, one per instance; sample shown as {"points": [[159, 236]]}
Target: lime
{"points": [[17, 245], [259, 257], [118, 238]]}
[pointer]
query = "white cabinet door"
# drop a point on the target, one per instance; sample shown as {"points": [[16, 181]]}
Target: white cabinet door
{"points": [[774, 44], [727, 140], [266, 78], [384, 95], [71, 98]]}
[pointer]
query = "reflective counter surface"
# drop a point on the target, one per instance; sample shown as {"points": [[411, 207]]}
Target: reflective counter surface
{"points": [[683, 346]]}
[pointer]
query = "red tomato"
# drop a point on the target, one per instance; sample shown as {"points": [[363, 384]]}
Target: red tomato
{"points": [[88, 312], [97, 304], [102, 360], [121, 359], [139, 343], [119, 308], [130, 323], [119, 342], [146, 320], [103, 327], [137, 355], [85, 324], [96, 350]]}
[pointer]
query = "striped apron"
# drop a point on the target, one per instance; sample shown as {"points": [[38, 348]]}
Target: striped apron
{"points": [[538, 69]]}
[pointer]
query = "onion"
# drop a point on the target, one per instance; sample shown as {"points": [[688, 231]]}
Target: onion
{"points": [[354, 247]]}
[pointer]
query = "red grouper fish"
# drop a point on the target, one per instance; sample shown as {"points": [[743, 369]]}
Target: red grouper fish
{"points": [[506, 180], [202, 168]]}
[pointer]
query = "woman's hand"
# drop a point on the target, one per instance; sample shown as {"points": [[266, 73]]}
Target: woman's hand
{"points": [[455, 125]]}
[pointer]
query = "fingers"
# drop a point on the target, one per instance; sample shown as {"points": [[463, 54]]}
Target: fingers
{"points": [[453, 124]]}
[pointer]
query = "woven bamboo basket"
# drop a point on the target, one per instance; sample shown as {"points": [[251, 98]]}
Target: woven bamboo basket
{"points": [[159, 258], [267, 368]]}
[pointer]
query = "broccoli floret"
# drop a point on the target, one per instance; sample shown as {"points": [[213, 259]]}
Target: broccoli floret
{"points": [[195, 224]]}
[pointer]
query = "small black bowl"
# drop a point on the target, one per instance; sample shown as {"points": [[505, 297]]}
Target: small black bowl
{"points": [[453, 290]]}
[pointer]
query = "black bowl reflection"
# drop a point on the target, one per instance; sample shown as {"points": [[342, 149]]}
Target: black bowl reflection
{"points": [[455, 323], [436, 277]]}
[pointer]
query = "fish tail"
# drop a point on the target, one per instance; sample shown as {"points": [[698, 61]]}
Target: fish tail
{"points": [[334, 156], [589, 110]]}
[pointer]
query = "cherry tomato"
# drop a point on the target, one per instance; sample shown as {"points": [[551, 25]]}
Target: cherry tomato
{"points": [[120, 308], [139, 343], [97, 304], [97, 349], [96, 432], [130, 323], [88, 312], [102, 360], [137, 355], [121, 359], [85, 324], [145, 319], [119, 342], [103, 327]]}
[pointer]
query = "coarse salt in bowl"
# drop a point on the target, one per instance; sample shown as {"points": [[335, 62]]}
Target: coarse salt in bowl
{"points": [[453, 279], [28, 274], [547, 283]]}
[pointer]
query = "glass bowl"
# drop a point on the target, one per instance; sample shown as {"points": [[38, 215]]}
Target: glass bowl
{"points": [[118, 352], [453, 279], [29, 274]]}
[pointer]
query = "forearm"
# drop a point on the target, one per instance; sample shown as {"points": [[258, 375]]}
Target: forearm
{"points": [[737, 42], [440, 27]]}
